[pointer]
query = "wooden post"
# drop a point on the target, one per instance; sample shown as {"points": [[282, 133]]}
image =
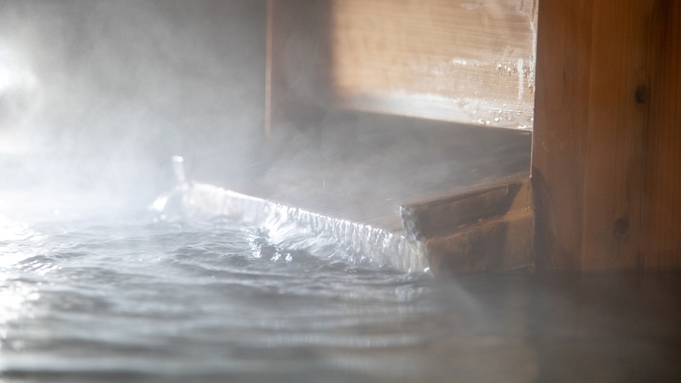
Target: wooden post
{"points": [[604, 145], [661, 246]]}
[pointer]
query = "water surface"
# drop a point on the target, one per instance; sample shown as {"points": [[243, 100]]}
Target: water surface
{"points": [[204, 299]]}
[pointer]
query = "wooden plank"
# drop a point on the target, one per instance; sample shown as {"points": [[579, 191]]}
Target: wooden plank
{"points": [[446, 214], [492, 245], [488, 228], [455, 60], [661, 245], [588, 139]]}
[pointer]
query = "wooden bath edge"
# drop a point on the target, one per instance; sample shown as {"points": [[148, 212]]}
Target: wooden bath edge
{"points": [[487, 228]]}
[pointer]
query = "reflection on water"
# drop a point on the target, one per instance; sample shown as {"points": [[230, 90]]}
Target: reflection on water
{"points": [[207, 299]]}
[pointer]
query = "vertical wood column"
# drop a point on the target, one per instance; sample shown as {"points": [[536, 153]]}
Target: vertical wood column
{"points": [[587, 169], [661, 246], [606, 149]]}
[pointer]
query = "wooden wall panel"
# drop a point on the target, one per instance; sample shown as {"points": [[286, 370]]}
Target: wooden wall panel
{"points": [[455, 60], [450, 60], [662, 203]]}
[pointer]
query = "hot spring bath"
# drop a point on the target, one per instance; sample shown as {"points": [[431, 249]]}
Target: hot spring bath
{"points": [[97, 95], [207, 299], [198, 298]]}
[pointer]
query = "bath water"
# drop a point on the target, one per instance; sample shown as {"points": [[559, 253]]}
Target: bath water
{"points": [[137, 297]]}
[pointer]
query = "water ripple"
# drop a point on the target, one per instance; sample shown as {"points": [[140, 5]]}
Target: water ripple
{"points": [[210, 299]]}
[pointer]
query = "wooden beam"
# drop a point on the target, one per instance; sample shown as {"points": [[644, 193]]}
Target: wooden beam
{"points": [[605, 150], [488, 228], [661, 246]]}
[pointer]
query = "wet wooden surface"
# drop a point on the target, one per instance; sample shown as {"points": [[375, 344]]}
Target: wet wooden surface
{"points": [[365, 167], [488, 228]]}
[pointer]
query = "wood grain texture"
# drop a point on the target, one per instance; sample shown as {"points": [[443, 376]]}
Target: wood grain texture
{"points": [[588, 140], [662, 203], [502, 244], [447, 214], [561, 118], [487, 228], [455, 60], [613, 177]]}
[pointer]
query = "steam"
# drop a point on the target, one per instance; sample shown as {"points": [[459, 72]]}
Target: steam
{"points": [[101, 94], [96, 96]]}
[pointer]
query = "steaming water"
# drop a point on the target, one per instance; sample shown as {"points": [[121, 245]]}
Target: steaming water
{"points": [[137, 298], [203, 299]]}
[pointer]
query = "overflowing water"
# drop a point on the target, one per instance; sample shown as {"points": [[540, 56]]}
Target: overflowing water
{"points": [[136, 297], [297, 228], [144, 298]]}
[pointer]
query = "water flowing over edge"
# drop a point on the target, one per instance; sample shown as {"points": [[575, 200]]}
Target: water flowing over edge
{"points": [[358, 242]]}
